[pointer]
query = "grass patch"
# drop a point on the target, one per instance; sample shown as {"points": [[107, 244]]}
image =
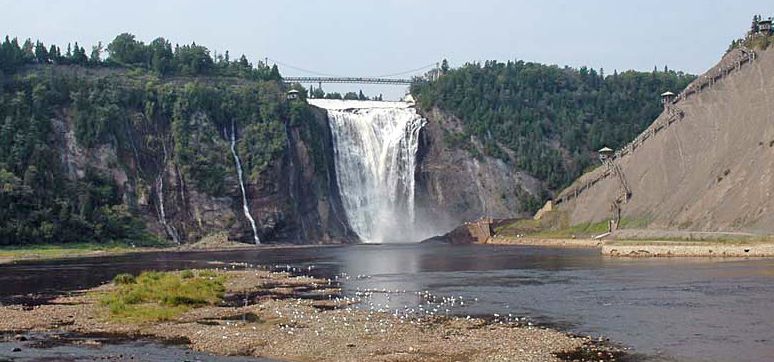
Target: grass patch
{"points": [[553, 225], [634, 223], [161, 296], [579, 230], [58, 250], [521, 226], [53, 251]]}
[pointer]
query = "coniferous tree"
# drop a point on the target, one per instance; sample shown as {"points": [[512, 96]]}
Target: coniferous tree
{"points": [[275, 74], [444, 66], [54, 55], [96, 54], [41, 54]]}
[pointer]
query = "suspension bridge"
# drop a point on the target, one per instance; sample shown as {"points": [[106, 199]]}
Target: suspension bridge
{"points": [[353, 80], [400, 78]]}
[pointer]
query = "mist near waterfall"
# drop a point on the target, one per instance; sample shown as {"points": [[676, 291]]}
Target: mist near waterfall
{"points": [[375, 145]]}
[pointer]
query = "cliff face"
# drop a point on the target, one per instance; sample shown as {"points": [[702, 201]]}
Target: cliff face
{"points": [[712, 169], [294, 198], [311, 187], [453, 186]]}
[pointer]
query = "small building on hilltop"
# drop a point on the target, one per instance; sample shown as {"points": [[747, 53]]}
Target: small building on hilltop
{"points": [[764, 26], [761, 25], [605, 153], [667, 97]]}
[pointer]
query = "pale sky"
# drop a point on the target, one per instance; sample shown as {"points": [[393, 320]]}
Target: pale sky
{"points": [[370, 38]]}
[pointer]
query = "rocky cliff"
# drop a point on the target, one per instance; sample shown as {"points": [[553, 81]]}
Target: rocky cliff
{"points": [[706, 164], [455, 185], [295, 200], [172, 168]]}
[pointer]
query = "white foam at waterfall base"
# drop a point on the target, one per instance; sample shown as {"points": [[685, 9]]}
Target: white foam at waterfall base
{"points": [[375, 145]]}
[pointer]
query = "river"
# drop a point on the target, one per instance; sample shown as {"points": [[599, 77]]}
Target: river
{"points": [[682, 309]]}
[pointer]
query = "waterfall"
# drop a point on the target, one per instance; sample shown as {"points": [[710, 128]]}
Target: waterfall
{"points": [[171, 231], [238, 165], [375, 146]]}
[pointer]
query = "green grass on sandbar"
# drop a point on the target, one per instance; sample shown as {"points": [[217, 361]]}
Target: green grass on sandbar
{"points": [[161, 296]]}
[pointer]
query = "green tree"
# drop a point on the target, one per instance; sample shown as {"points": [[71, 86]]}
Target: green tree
{"points": [[124, 49], [96, 54], [193, 60], [318, 93], [444, 66], [41, 54], [161, 56]]}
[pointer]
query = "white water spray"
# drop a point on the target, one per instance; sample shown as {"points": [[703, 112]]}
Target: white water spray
{"points": [[238, 165], [375, 147]]}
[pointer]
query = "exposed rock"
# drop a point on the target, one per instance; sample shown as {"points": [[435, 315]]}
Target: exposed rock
{"points": [[475, 232], [294, 200], [455, 186]]}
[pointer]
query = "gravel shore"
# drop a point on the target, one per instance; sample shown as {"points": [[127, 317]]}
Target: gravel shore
{"points": [[271, 322], [647, 248], [531, 241], [688, 249]]}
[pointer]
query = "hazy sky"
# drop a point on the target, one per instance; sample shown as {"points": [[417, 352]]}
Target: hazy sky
{"points": [[369, 38]]}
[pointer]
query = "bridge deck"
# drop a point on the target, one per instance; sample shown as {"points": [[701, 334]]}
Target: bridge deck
{"points": [[356, 80]]}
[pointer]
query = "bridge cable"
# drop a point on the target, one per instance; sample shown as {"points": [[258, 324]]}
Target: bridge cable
{"points": [[302, 69], [338, 76], [432, 65]]}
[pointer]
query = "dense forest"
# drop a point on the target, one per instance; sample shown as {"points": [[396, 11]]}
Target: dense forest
{"points": [[125, 51], [552, 118], [140, 108]]}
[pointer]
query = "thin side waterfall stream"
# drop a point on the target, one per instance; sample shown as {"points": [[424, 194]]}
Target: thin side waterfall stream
{"points": [[375, 145], [238, 165]]}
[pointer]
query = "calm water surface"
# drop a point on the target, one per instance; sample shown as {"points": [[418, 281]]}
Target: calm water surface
{"points": [[682, 309]]}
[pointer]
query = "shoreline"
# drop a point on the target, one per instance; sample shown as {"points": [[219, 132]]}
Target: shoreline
{"points": [[64, 253], [33, 255], [649, 248], [264, 314], [549, 242], [607, 247], [687, 249]]}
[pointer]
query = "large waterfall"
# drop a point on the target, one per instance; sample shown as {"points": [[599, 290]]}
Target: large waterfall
{"points": [[375, 147]]}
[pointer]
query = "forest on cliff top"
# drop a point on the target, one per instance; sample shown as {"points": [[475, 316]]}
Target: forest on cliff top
{"points": [[553, 118]]}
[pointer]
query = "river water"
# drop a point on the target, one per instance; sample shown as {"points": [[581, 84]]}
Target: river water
{"points": [[682, 309]]}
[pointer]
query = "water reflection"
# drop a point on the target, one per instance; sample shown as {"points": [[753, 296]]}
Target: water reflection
{"points": [[382, 272]]}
